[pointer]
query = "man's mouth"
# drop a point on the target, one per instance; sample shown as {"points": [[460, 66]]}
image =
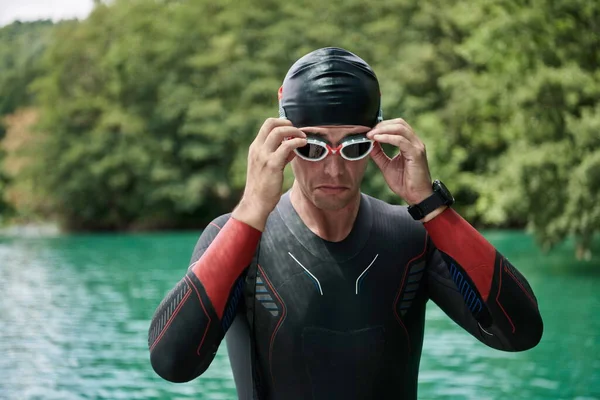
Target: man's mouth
{"points": [[332, 189]]}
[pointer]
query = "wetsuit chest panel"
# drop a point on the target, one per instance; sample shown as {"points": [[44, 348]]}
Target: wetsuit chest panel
{"points": [[331, 295], [321, 315], [336, 321]]}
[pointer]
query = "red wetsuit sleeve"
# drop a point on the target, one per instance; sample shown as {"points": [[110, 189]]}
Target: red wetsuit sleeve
{"points": [[508, 318], [229, 254], [454, 236]]}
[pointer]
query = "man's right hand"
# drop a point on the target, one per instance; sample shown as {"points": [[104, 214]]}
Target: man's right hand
{"points": [[272, 149]]}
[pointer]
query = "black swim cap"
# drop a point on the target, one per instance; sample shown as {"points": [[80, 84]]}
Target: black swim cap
{"points": [[330, 86]]}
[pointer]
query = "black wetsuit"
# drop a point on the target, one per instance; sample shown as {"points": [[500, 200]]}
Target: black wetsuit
{"points": [[312, 319]]}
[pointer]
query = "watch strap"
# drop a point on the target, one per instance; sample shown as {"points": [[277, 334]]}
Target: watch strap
{"points": [[419, 211], [440, 197]]}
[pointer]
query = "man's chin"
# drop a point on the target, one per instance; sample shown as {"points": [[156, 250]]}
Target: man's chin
{"points": [[332, 201]]}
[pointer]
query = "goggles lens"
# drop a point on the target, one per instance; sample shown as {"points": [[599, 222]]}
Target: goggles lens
{"points": [[356, 151], [314, 150]]}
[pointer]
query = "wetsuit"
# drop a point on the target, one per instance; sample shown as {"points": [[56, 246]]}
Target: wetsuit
{"points": [[312, 319]]}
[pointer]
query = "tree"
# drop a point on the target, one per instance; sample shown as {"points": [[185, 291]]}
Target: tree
{"points": [[21, 47], [148, 108], [536, 64], [21, 138]]}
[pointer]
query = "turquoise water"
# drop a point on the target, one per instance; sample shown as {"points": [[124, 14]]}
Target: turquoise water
{"points": [[75, 311]]}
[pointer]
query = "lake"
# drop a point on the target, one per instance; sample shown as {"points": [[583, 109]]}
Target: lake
{"points": [[75, 311]]}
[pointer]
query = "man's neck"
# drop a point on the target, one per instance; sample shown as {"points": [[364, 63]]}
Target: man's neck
{"points": [[333, 226]]}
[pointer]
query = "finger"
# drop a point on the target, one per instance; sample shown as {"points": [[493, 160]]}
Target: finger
{"points": [[279, 135], [409, 132], [386, 123], [379, 157], [396, 128], [389, 122], [268, 126], [406, 147], [399, 127], [392, 129], [285, 152]]}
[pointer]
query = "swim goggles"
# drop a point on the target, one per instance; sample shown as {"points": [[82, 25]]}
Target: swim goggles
{"points": [[351, 148]]}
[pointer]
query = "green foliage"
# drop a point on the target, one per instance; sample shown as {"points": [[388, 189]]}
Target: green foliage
{"points": [[548, 116], [21, 47], [137, 137], [5, 208], [149, 107]]}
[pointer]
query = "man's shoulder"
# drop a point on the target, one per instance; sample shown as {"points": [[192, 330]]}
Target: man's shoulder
{"points": [[384, 208], [388, 214]]}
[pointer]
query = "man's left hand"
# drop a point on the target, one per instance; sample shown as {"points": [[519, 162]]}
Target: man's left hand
{"points": [[407, 174]]}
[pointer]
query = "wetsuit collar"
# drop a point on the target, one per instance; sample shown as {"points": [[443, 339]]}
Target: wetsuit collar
{"points": [[324, 249]]}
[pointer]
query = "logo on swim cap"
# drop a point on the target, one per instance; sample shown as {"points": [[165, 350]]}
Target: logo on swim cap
{"points": [[330, 86]]}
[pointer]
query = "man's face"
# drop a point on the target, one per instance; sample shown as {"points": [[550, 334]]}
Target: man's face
{"points": [[332, 183]]}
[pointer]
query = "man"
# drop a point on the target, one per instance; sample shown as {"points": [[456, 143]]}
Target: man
{"points": [[321, 291]]}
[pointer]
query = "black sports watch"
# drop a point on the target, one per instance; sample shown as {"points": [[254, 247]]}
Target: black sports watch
{"points": [[441, 197]]}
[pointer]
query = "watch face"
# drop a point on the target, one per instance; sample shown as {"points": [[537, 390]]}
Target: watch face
{"points": [[439, 186]]}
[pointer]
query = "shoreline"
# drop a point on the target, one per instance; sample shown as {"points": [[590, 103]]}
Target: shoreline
{"points": [[42, 229]]}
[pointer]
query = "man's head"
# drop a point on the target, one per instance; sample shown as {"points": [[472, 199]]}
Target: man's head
{"points": [[332, 95]]}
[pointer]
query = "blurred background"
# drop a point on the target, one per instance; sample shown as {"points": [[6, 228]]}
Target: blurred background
{"points": [[124, 128]]}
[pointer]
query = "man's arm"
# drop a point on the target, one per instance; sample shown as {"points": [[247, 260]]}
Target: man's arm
{"points": [[190, 323], [478, 287]]}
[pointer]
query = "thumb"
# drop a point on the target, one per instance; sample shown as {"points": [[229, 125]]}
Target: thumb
{"points": [[379, 156]]}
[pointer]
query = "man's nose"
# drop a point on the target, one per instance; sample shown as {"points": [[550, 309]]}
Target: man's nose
{"points": [[334, 164]]}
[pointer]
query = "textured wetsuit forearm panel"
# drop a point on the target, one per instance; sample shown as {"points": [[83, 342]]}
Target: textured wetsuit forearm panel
{"points": [[514, 307], [185, 332]]}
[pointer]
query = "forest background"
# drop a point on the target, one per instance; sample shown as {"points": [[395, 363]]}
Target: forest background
{"points": [[139, 117]]}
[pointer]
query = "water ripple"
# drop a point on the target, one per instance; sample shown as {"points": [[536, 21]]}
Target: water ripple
{"points": [[75, 312]]}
